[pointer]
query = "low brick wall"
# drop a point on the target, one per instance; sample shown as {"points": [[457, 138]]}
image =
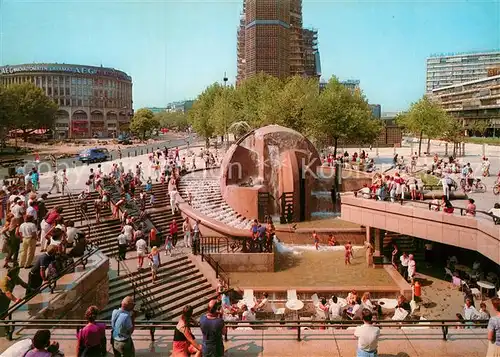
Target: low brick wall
{"points": [[245, 262], [90, 287], [356, 236]]}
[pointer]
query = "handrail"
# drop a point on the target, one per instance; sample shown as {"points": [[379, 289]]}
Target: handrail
{"points": [[496, 220], [152, 325], [51, 283], [219, 272]]}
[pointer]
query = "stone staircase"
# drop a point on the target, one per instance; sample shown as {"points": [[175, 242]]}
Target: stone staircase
{"points": [[405, 244], [104, 233], [207, 199], [179, 283], [161, 213]]}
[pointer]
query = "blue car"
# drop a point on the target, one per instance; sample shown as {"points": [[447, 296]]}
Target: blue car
{"points": [[94, 155]]}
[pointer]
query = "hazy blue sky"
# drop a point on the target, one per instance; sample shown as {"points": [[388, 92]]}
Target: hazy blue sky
{"points": [[173, 49]]}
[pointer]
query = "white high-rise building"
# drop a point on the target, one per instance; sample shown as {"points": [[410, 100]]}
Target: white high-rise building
{"points": [[447, 69]]}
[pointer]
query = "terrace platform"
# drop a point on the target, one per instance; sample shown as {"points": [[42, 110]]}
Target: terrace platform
{"points": [[330, 342]]}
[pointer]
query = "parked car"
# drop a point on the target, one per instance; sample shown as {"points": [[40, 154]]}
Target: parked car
{"points": [[94, 155], [124, 139]]}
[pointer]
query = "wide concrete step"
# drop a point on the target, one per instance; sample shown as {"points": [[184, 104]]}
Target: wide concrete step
{"points": [[167, 280]]}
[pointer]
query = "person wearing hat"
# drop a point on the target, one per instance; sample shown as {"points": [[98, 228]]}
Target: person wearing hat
{"points": [[7, 285]]}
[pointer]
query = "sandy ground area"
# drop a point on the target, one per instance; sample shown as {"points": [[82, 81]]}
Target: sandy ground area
{"points": [[74, 147]]}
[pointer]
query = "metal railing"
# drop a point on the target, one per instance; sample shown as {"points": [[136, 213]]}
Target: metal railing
{"points": [[429, 205], [219, 272], [153, 325]]}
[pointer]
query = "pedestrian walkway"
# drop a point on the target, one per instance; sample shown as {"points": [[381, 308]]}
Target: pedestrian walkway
{"points": [[328, 343]]}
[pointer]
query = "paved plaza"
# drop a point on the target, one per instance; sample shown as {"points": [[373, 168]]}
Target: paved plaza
{"points": [[321, 343]]}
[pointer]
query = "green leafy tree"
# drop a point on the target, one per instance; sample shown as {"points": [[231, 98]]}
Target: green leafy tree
{"points": [[338, 114], [224, 111], [479, 127], [453, 132], [144, 122], [424, 117], [31, 109], [200, 115], [6, 113], [173, 120], [256, 100]]}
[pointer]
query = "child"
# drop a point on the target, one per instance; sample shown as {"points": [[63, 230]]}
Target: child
{"points": [[149, 185], [316, 240], [168, 245], [348, 253], [331, 240]]}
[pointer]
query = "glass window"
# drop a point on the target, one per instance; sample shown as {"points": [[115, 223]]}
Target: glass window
{"points": [[49, 80], [56, 91], [80, 102], [49, 91], [79, 81], [73, 80]]}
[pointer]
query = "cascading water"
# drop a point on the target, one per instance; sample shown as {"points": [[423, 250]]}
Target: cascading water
{"points": [[275, 163]]}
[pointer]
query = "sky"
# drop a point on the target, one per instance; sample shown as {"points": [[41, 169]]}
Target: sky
{"points": [[173, 49]]}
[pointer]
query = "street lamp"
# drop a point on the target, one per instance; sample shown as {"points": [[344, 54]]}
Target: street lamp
{"points": [[226, 135]]}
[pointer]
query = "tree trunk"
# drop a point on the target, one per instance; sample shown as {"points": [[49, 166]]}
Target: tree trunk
{"points": [[207, 142], [454, 149], [335, 142], [428, 146], [420, 143], [144, 135], [25, 136]]}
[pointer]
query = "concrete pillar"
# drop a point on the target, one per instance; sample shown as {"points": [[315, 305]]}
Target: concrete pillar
{"points": [[445, 149], [377, 243], [368, 234]]}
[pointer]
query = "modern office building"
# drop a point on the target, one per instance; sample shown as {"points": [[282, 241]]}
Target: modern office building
{"points": [[448, 69], [93, 101], [271, 39], [376, 110], [473, 101]]}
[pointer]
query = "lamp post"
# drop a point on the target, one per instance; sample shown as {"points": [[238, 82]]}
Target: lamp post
{"points": [[226, 135]]}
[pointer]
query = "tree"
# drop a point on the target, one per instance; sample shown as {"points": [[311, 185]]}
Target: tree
{"points": [[424, 117], [6, 113], [453, 132], [144, 122], [480, 127], [224, 111], [200, 115], [338, 114], [31, 109], [173, 120]]}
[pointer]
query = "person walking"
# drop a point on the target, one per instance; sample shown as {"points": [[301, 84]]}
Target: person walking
{"points": [[196, 236], [173, 232], [213, 329], [173, 198], [122, 246], [185, 344], [38, 273], [7, 285], [186, 227], [494, 330], [122, 327], [55, 183], [28, 234], [154, 256], [142, 249], [91, 340], [367, 336]]}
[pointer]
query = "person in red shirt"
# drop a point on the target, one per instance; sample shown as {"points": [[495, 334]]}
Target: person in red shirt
{"points": [[471, 208], [173, 232]]}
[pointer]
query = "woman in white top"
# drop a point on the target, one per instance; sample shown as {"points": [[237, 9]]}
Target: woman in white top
{"points": [[412, 268]]}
